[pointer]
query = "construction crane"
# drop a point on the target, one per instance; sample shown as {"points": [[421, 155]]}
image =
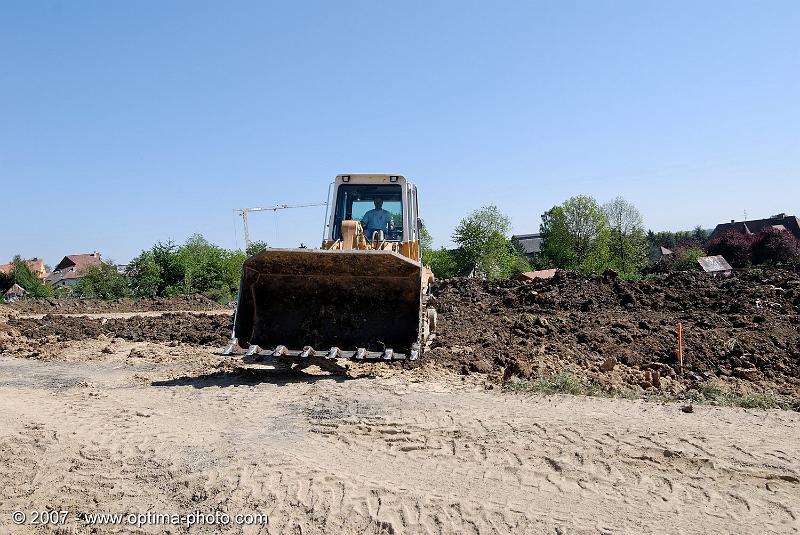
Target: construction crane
{"points": [[244, 211]]}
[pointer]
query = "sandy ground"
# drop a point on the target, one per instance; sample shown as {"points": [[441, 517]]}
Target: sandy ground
{"points": [[146, 427]]}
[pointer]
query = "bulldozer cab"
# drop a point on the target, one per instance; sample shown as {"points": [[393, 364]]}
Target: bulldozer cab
{"points": [[361, 295], [385, 203]]}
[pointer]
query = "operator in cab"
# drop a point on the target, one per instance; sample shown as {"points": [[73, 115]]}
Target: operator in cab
{"points": [[377, 219]]}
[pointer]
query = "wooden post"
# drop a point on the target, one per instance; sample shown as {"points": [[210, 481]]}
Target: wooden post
{"points": [[680, 346]]}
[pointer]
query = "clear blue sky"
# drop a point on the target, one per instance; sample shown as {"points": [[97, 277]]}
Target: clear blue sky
{"points": [[125, 123]]}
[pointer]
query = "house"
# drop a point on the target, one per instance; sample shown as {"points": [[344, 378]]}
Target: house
{"points": [[779, 222], [15, 293], [659, 254], [34, 264], [68, 271], [529, 244]]}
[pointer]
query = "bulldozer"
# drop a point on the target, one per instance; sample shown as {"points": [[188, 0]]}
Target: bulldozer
{"points": [[365, 294]]}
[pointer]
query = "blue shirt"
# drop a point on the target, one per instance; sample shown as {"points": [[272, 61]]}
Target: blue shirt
{"points": [[376, 219]]}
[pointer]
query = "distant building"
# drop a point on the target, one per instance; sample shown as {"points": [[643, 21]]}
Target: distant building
{"points": [[659, 254], [15, 293], [68, 271], [779, 222], [35, 264], [529, 244]]}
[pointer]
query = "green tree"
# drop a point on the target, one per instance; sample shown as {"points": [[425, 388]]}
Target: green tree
{"points": [[257, 246], [145, 275], [701, 235], [558, 249], [627, 240], [27, 279], [444, 263], [686, 238], [575, 235], [484, 248], [195, 267], [425, 238], [101, 282], [165, 255]]}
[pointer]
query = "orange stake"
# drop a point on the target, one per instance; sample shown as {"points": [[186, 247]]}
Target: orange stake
{"points": [[680, 346]]}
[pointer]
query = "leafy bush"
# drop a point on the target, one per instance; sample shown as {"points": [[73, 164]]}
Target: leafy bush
{"points": [[25, 277], [101, 282], [145, 273], [257, 246], [686, 259], [194, 267], [444, 263], [770, 246], [774, 246], [734, 246]]}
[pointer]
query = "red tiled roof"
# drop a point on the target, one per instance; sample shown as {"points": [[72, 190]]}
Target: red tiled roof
{"points": [[71, 266], [35, 264], [790, 223]]}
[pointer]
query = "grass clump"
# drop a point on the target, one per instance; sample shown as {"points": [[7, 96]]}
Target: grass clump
{"points": [[714, 392], [562, 383], [756, 401], [711, 392]]}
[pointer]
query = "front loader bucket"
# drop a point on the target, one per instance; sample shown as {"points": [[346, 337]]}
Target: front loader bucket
{"points": [[323, 299]]}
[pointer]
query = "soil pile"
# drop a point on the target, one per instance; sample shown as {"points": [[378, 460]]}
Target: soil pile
{"points": [[196, 329], [745, 327], [92, 306], [6, 312]]}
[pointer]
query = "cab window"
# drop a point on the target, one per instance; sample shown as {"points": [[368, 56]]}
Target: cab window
{"points": [[354, 201]]}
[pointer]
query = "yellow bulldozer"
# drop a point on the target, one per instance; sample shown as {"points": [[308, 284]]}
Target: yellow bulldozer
{"points": [[363, 295]]}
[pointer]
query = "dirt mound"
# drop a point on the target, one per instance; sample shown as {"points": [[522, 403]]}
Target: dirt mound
{"points": [[742, 328], [196, 329], [92, 306], [6, 312]]}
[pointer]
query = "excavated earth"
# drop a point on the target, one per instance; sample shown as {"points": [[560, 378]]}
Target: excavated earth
{"points": [[179, 327], [91, 306], [612, 334], [743, 329]]}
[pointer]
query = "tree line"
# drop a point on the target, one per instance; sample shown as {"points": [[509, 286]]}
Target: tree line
{"points": [[583, 235], [166, 269], [580, 234]]}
